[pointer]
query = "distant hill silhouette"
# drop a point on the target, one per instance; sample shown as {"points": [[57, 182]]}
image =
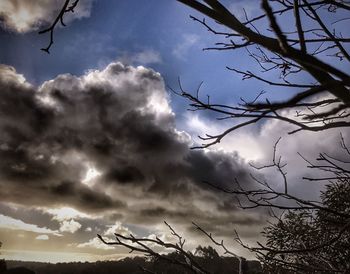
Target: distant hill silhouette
{"points": [[15, 270], [217, 265], [18, 270]]}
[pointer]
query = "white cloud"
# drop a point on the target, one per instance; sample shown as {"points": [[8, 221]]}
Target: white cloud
{"points": [[70, 226], [95, 243], [65, 216], [181, 49], [238, 7], [243, 141], [117, 228], [42, 237], [24, 16], [147, 57], [164, 236], [10, 75], [108, 235], [14, 224], [256, 146]]}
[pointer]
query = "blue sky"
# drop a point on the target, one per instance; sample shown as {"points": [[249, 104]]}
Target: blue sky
{"points": [[95, 143], [119, 30]]}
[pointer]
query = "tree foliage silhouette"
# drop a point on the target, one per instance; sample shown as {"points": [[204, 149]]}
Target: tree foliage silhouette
{"points": [[311, 241]]}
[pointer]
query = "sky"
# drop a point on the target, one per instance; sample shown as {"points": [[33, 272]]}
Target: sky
{"points": [[93, 141]]}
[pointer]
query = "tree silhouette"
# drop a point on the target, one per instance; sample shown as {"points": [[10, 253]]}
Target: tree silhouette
{"points": [[318, 104], [3, 266], [311, 241], [174, 258], [68, 6]]}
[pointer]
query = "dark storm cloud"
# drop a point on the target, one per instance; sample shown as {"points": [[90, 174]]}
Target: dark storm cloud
{"points": [[117, 120]]}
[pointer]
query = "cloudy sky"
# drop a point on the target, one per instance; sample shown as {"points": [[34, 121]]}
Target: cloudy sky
{"points": [[92, 141]]}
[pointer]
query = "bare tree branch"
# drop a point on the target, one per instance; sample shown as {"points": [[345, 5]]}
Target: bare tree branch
{"points": [[65, 8]]}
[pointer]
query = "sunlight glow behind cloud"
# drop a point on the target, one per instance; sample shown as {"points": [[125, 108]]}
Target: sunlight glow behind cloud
{"points": [[65, 213]]}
